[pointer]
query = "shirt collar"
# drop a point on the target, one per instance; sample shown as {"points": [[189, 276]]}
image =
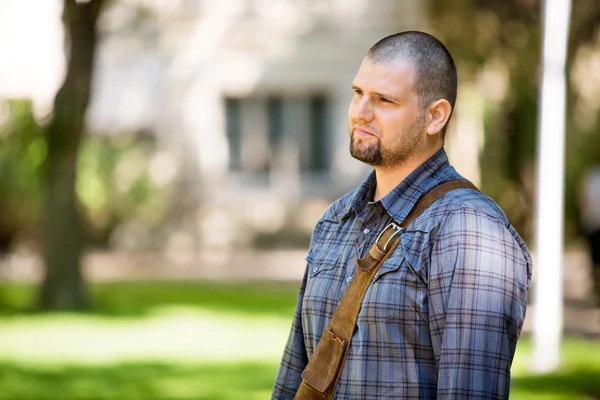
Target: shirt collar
{"points": [[402, 198]]}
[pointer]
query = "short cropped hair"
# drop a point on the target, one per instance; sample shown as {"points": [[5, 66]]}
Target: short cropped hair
{"points": [[435, 71]]}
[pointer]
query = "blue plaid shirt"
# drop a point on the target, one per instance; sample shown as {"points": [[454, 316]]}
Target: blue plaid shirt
{"points": [[441, 318]]}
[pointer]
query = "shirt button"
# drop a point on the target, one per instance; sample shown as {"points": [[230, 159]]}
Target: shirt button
{"points": [[349, 279], [315, 270], [366, 231]]}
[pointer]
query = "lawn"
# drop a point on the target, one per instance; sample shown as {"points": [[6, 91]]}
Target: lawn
{"points": [[193, 340]]}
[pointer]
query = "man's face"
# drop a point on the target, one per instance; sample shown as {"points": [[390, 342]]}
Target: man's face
{"points": [[385, 123]]}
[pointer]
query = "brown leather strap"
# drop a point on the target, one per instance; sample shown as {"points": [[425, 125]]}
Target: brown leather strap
{"points": [[324, 368], [320, 376], [376, 251], [428, 198]]}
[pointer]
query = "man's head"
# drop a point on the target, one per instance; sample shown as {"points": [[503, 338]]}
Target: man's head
{"points": [[404, 95]]}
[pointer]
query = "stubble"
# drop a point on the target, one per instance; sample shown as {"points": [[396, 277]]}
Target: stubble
{"points": [[398, 149]]}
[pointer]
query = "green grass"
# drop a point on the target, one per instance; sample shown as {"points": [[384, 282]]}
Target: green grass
{"points": [[135, 298], [194, 340], [577, 379], [139, 381]]}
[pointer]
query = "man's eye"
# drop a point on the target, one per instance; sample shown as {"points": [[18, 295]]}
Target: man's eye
{"points": [[358, 91], [384, 100]]}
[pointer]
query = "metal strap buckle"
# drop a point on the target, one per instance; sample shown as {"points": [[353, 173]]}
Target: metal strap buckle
{"points": [[397, 229]]}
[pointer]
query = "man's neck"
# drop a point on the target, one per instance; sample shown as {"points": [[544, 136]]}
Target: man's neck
{"points": [[390, 177]]}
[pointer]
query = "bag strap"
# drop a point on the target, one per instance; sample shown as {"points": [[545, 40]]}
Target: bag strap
{"points": [[430, 197], [324, 368]]}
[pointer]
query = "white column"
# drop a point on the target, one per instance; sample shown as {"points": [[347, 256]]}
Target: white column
{"points": [[548, 317]]}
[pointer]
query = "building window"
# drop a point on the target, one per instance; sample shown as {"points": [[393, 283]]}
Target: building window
{"points": [[275, 118], [319, 156], [234, 134], [274, 132]]}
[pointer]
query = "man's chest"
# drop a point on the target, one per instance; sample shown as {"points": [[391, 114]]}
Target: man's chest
{"points": [[396, 302]]}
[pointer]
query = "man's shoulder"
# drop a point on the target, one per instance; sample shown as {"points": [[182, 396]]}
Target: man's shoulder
{"points": [[460, 202], [476, 201], [464, 211]]}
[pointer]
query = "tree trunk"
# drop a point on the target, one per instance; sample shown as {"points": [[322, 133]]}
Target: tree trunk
{"points": [[63, 286]]}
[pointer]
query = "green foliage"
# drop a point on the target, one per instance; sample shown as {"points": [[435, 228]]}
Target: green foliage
{"points": [[22, 155], [503, 37], [113, 183], [506, 36]]}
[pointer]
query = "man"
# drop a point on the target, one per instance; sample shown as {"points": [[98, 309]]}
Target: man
{"points": [[441, 318], [589, 201]]}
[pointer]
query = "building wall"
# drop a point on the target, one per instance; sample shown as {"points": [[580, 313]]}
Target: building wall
{"points": [[247, 98], [276, 76], [290, 51]]}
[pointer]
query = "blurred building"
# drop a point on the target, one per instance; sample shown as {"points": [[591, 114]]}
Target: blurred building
{"points": [[247, 99], [255, 92]]}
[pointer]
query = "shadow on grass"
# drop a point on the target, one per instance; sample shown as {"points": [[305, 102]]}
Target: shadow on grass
{"points": [[249, 381], [138, 298], [581, 383]]}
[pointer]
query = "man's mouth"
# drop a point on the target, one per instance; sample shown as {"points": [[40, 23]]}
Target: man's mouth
{"points": [[360, 132]]}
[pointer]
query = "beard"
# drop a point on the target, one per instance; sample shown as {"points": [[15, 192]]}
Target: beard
{"points": [[369, 153], [401, 147]]}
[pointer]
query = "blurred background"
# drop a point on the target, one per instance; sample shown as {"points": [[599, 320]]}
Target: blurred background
{"points": [[163, 163]]}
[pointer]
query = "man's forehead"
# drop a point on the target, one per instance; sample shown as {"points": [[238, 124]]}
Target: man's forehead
{"points": [[396, 74]]}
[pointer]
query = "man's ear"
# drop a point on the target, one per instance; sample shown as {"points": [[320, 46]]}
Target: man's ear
{"points": [[439, 114]]}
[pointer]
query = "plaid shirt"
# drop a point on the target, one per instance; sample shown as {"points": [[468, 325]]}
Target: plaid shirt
{"points": [[441, 318]]}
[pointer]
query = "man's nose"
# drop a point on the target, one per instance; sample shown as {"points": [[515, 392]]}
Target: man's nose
{"points": [[361, 110]]}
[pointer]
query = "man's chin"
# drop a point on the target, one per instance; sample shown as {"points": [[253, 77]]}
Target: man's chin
{"points": [[367, 158]]}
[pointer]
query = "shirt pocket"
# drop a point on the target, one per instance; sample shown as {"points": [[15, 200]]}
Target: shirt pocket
{"points": [[321, 296], [321, 261], [397, 294]]}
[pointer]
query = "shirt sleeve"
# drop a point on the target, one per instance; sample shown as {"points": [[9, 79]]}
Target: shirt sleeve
{"points": [[294, 360], [478, 279]]}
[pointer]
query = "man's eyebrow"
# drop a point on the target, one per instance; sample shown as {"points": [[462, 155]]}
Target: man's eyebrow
{"points": [[387, 96]]}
